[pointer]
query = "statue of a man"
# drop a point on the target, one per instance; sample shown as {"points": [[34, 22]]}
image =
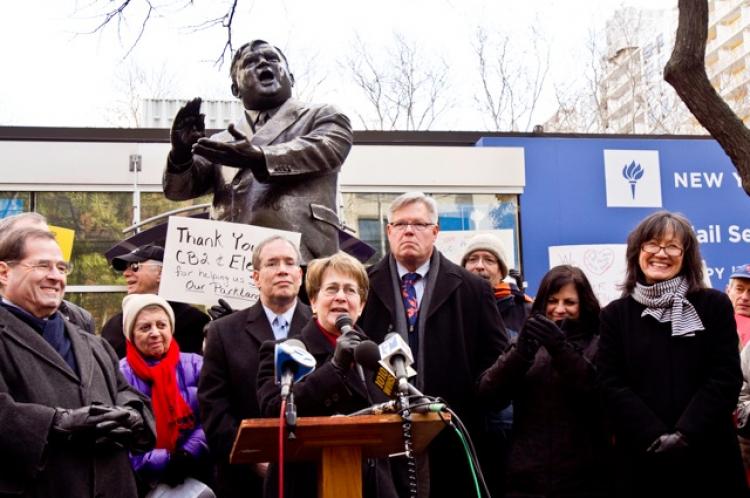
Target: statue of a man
{"points": [[278, 167]]}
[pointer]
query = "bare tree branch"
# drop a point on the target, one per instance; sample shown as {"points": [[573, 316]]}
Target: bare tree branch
{"points": [[686, 72]]}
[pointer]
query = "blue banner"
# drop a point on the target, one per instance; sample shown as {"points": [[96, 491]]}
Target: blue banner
{"points": [[583, 191]]}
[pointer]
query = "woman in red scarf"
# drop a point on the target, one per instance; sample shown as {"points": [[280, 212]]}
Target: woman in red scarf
{"points": [[154, 366]]}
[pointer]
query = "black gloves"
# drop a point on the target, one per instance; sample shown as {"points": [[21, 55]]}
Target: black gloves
{"points": [[343, 356], [118, 426], [546, 333], [526, 344], [668, 443], [188, 126], [219, 310], [179, 467], [86, 422]]}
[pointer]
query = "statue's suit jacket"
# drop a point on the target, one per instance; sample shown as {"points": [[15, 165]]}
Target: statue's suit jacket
{"points": [[305, 147]]}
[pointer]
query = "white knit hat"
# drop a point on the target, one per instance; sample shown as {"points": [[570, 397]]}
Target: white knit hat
{"points": [[489, 243], [132, 304]]}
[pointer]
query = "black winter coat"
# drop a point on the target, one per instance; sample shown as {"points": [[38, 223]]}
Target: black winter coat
{"points": [[654, 383]]}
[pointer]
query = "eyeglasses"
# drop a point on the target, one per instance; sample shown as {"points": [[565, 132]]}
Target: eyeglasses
{"points": [[46, 266], [417, 227], [137, 265], [484, 260], [654, 248], [276, 264], [333, 290]]}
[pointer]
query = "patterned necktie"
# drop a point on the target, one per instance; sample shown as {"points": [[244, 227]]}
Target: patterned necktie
{"points": [[409, 295]]}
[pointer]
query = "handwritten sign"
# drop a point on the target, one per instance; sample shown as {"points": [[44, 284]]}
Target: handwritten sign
{"points": [[64, 238], [205, 260], [603, 264], [453, 242]]}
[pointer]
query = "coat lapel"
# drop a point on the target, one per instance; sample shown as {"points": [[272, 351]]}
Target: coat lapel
{"points": [[447, 281], [288, 114], [257, 325], [382, 285], [28, 338], [84, 358]]}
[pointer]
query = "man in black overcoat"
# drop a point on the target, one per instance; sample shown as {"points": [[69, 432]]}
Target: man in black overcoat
{"points": [[454, 329]]}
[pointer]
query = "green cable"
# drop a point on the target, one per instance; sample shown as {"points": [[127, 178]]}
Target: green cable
{"points": [[468, 456]]}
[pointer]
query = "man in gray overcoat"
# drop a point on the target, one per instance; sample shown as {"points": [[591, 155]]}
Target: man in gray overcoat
{"points": [[67, 416], [277, 167]]}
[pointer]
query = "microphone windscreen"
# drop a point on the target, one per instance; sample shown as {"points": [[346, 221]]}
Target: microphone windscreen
{"points": [[367, 354], [344, 320], [295, 343]]}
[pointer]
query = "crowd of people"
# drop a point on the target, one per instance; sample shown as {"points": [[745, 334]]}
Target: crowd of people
{"points": [[644, 397]]}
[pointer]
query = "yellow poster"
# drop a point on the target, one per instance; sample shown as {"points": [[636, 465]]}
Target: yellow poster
{"points": [[64, 237]]}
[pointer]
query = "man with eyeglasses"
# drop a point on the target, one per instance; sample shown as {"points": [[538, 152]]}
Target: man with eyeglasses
{"points": [[142, 271], [68, 416], [227, 387], [72, 312], [451, 322]]}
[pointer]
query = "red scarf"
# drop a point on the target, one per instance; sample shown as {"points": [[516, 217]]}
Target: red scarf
{"points": [[171, 412], [329, 336], [503, 289]]}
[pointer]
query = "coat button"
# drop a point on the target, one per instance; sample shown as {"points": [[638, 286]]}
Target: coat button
{"points": [[335, 397], [327, 403]]}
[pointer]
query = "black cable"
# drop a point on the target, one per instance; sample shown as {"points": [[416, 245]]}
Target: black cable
{"points": [[458, 423], [411, 460]]}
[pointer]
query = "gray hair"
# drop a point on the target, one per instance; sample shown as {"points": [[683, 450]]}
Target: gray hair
{"points": [[257, 250], [14, 248], [411, 198], [9, 223]]}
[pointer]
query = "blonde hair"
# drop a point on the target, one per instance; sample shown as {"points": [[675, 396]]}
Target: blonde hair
{"points": [[342, 263]]}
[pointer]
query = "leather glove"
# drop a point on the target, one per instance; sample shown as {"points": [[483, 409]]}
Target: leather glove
{"points": [[220, 310], [343, 356], [188, 126], [129, 432], [87, 421], [516, 275], [526, 344], [178, 468], [546, 332], [668, 443]]}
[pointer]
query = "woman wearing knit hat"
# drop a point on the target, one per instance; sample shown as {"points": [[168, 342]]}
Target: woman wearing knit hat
{"points": [[154, 365]]}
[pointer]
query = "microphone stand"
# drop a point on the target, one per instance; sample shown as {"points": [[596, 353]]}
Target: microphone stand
{"points": [[411, 461], [290, 415]]}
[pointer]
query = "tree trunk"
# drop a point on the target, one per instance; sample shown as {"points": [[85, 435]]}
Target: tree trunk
{"points": [[686, 72]]}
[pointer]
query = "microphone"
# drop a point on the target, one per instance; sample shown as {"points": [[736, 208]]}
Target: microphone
{"points": [[345, 324], [367, 354], [292, 362], [396, 355]]}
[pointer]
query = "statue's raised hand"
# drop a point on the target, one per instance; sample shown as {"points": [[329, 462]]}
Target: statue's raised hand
{"points": [[188, 126]]}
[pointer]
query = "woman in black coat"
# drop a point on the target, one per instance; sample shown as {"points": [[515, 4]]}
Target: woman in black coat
{"points": [[670, 371], [558, 446], [336, 285]]}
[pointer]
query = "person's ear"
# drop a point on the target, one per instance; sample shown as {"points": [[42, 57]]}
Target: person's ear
{"points": [[235, 90], [256, 278], [291, 78], [4, 267]]}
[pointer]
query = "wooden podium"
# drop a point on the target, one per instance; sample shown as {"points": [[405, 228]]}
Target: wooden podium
{"points": [[337, 443]]}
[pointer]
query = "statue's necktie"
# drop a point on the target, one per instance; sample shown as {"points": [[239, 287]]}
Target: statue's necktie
{"points": [[409, 295]]}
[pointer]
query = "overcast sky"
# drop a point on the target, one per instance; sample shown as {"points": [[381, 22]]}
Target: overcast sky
{"points": [[56, 76]]}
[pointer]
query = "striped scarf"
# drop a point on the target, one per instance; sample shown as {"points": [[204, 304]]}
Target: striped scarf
{"points": [[666, 302]]}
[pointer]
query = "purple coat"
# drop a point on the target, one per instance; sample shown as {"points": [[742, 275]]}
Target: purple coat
{"points": [[193, 441]]}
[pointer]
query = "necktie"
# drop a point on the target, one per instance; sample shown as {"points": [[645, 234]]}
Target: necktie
{"points": [[279, 327], [409, 295]]}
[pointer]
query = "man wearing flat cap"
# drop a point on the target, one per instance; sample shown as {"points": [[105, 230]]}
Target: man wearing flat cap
{"points": [[142, 271]]}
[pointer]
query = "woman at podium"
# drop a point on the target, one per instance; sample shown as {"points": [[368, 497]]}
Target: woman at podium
{"points": [[337, 286]]}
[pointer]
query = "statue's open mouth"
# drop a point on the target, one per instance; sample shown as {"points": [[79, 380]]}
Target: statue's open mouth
{"points": [[266, 76]]}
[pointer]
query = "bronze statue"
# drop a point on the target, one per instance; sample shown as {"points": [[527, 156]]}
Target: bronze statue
{"points": [[277, 168]]}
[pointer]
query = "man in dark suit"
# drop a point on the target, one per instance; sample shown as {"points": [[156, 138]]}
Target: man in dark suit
{"points": [[68, 416], [450, 320], [277, 167], [227, 389]]}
